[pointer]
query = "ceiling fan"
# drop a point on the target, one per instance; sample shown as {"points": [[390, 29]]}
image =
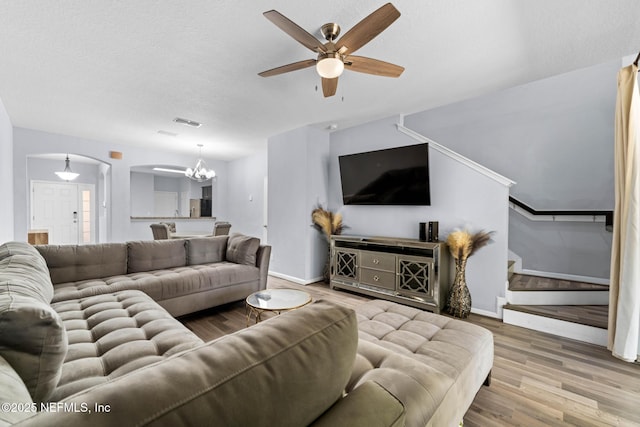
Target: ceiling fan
{"points": [[336, 56]]}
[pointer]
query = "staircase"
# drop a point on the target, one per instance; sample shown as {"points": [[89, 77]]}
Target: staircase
{"points": [[566, 308]]}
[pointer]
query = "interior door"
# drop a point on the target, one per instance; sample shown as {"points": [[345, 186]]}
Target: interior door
{"points": [[54, 207]]}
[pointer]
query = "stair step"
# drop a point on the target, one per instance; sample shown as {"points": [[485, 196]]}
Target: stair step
{"points": [[523, 282], [530, 318], [589, 315]]}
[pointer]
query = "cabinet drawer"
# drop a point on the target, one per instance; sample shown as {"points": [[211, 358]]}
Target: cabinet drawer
{"points": [[382, 279], [378, 261]]}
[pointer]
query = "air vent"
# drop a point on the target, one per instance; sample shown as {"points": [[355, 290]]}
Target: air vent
{"points": [[187, 122], [167, 133]]}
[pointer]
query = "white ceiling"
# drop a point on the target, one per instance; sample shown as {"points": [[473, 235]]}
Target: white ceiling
{"points": [[120, 71]]}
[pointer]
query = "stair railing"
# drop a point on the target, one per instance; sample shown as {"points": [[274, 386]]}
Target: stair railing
{"points": [[562, 215]]}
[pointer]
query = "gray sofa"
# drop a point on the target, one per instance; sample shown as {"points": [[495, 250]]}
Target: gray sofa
{"points": [[89, 352], [183, 275]]}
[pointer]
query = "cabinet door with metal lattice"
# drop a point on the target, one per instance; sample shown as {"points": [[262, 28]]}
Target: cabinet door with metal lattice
{"points": [[345, 264], [414, 277]]}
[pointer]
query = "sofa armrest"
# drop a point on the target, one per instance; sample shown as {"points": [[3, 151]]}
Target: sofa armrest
{"points": [[368, 405], [263, 257]]}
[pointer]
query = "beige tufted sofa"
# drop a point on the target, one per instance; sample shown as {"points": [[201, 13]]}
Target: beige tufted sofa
{"points": [[120, 359], [88, 352]]}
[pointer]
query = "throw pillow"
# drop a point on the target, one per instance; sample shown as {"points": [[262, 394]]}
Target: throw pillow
{"points": [[34, 342], [32, 337], [206, 250], [242, 249]]}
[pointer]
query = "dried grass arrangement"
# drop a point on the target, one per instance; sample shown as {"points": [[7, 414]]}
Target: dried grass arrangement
{"points": [[462, 244], [327, 222]]}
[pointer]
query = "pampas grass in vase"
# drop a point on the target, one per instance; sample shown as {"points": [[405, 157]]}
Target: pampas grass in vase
{"points": [[329, 224], [462, 244]]}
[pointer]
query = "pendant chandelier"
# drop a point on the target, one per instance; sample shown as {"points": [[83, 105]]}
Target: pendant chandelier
{"points": [[67, 174], [200, 173]]}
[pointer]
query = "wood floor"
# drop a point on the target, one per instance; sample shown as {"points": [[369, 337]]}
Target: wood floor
{"points": [[538, 379]]}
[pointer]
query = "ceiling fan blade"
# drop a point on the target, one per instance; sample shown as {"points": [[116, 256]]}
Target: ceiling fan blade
{"points": [[289, 67], [295, 31], [329, 87], [364, 31], [363, 64]]}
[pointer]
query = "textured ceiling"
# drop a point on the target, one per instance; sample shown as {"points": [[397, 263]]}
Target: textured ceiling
{"points": [[120, 71]]}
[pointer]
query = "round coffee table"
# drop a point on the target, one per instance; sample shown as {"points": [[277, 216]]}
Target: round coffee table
{"points": [[276, 300]]}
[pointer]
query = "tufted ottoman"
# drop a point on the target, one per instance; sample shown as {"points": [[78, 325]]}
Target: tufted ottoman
{"points": [[434, 364], [113, 334]]}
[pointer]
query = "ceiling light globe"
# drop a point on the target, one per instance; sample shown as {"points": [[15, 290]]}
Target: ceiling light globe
{"points": [[330, 67]]}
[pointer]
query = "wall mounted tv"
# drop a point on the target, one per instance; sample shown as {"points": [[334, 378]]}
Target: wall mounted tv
{"points": [[395, 176]]}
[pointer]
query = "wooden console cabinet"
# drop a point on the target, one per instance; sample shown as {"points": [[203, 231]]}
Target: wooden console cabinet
{"points": [[406, 271]]}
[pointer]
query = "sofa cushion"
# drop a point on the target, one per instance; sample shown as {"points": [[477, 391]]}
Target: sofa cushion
{"points": [[368, 405], [14, 392], [164, 284], [32, 338], [407, 350], [206, 250], [275, 373], [152, 255], [113, 334], [70, 263], [242, 249]]}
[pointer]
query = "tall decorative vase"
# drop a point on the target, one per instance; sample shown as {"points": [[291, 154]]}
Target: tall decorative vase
{"points": [[329, 224], [459, 295], [326, 273], [462, 244]]}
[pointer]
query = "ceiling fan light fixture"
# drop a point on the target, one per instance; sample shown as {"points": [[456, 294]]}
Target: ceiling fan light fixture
{"points": [[330, 66]]}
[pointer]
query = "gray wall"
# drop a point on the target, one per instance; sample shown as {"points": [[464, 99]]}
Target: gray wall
{"points": [[246, 194], [6, 175], [297, 170], [303, 172], [554, 137], [460, 198], [27, 142], [141, 194]]}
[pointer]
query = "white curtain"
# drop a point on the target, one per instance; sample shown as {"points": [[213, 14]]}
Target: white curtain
{"points": [[624, 293]]}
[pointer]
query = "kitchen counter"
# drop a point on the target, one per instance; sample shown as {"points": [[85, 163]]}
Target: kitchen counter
{"points": [[171, 218]]}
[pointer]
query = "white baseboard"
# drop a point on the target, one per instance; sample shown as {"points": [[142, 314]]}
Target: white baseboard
{"points": [[485, 313], [563, 276], [558, 327], [295, 279]]}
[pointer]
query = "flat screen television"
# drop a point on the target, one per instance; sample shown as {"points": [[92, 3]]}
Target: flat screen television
{"points": [[395, 176]]}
